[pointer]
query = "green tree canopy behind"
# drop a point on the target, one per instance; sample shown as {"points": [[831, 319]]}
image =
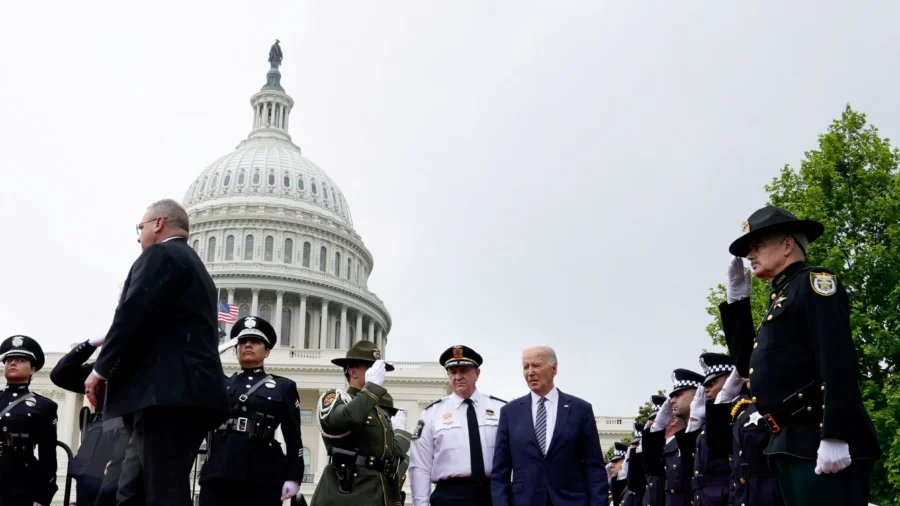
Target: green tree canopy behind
{"points": [[851, 185]]}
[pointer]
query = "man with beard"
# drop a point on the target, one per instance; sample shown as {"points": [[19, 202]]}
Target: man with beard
{"points": [[453, 443]]}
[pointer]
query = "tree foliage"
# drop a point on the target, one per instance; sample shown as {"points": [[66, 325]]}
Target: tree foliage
{"points": [[851, 185]]}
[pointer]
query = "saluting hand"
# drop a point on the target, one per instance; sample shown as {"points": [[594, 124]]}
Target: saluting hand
{"points": [[731, 389], [664, 417], [738, 286], [375, 374], [398, 421], [698, 409]]}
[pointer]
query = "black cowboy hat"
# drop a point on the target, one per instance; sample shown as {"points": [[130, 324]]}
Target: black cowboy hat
{"points": [[773, 219], [363, 351]]}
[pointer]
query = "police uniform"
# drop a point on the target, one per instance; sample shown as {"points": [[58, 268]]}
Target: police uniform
{"points": [[712, 472], [364, 452], [99, 440], [403, 440], [737, 427], [453, 443], [804, 374], [27, 420], [636, 480], [617, 489], [678, 450], [245, 463], [652, 463]]}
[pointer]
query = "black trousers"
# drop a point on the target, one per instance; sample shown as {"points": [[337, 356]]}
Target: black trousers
{"points": [[107, 494], [801, 486], [454, 492], [221, 492], [164, 441]]}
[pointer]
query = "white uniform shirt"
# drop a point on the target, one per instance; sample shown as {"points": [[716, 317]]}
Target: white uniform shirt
{"points": [[550, 405], [440, 445]]}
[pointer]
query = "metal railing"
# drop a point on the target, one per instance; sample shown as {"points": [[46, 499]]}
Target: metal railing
{"points": [[67, 494]]}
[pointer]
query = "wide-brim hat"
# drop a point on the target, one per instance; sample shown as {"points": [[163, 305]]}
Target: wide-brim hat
{"points": [[256, 327], [22, 346], [773, 219], [387, 403], [363, 351]]}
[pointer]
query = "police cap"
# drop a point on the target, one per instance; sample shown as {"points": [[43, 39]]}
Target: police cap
{"points": [[715, 365], [22, 346], [619, 452], [255, 327], [460, 355], [387, 403], [683, 379]]}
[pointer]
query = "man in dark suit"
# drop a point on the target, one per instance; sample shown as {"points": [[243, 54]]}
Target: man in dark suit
{"points": [[547, 450], [160, 363]]}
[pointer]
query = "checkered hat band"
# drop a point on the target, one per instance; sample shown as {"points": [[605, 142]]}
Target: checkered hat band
{"points": [[619, 454], [713, 369], [687, 384]]}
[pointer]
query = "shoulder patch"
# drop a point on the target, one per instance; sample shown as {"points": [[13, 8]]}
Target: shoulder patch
{"points": [[418, 432], [497, 399], [823, 283], [328, 399]]}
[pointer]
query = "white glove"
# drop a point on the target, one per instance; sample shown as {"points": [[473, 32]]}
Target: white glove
{"points": [[398, 421], [663, 418], [731, 389], [37, 504], [623, 473], [375, 374], [608, 466], [227, 345], [738, 286], [96, 341], [698, 405], [289, 489], [640, 448], [833, 456]]}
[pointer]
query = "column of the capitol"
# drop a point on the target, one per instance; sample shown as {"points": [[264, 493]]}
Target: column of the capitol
{"points": [[301, 335], [230, 302], [323, 330], [344, 333], [254, 304], [359, 325], [279, 304]]}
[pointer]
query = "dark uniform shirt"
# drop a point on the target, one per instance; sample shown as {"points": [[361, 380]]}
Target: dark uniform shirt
{"points": [[677, 458], [652, 444], [356, 424], [636, 481], [25, 479], [712, 472], [244, 448], [804, 363]]}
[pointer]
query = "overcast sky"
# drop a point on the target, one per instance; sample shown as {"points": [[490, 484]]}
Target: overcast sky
{"points": [[568, 173]]}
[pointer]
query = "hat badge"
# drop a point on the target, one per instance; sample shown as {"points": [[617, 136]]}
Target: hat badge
{"points": [[746, 226], [376, 354], [703, 364], [17, 341], [457, 352], [250, 322]]}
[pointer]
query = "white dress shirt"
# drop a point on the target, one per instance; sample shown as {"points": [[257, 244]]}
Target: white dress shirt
{"points": [[440, 442], [550, 405]]}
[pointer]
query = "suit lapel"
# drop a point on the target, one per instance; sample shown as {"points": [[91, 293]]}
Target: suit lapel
{"points": [[562, 414], [525, 406]]}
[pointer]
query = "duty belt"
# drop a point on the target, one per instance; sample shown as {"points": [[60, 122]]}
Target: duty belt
{"points": [[802, 405], [235, 425], [258, 426], [385, 466]]}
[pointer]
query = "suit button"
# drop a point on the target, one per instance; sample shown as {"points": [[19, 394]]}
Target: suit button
{"points": [[751, 370], [672, 492], [675, 466], [769, 317], [650, 484], [754, 399], [773, 296], [696, 473], [821, 426], [755, 344], [743, 481]]}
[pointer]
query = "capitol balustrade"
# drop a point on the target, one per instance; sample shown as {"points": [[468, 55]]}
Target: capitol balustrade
{"points": [[292, 271], [280, 356]]}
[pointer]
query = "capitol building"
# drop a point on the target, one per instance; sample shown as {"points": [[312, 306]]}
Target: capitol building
{"points": [[276, 234]]}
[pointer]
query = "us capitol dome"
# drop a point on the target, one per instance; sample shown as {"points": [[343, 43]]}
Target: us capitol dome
{"points": [[276, 234]]}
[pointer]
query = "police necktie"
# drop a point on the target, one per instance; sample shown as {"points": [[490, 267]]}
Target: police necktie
{"points": [[474, 442], [540, 426]]}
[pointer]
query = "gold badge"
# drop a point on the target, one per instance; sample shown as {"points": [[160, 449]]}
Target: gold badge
{"points": [[270, 384], [30, 402], [377, 354], [448, 418], [489, 412], [745, 226], [823, 283], [328, 400], [457, 352]]}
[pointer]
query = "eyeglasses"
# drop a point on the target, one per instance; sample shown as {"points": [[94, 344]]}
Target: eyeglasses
{"points": [[140, 226]]}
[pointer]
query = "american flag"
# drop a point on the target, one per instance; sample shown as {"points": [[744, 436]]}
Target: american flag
{"points": [[228, 312]]}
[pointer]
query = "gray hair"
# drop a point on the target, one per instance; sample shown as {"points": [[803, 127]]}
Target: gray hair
{"points": [[801, 240], [172, 211], [546, 351]]}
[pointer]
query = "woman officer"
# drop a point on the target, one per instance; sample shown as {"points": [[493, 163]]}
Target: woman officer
{"points": [[27, 420], [245, 464]]}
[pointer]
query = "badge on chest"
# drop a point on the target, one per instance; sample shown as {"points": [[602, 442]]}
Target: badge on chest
{"points": [[447, 418]]}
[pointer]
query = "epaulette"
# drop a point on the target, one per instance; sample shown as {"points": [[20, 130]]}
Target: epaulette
{"points": [[497, 399], [433, 403]]}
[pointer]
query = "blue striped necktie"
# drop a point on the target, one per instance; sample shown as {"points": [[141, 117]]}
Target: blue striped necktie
{"points": [[540, 426]]}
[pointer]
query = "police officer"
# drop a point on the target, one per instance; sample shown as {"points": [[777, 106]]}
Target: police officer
{"points": [[99, 441], [804, 374], [653, 466], [712, 471], [677, 450], [403, 439], [27, 420], [453, 443], [636, 480], [245, 464], [734, 426], [358, 435], [616, 475]]}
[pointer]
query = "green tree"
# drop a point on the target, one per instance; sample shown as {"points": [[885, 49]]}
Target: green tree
{"points": [[644, 411], [851, 185]]}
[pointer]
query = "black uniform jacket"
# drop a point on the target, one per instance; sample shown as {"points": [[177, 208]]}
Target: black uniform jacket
{"points": [[712, 471], [161, 349], [97, 444], [636, 480], [677, 458], [804, 346], [236, 456], [27, 425], [654, 468]]}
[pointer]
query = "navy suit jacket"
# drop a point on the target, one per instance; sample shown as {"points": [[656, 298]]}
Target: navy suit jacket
{"points": [[573, 473]]}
